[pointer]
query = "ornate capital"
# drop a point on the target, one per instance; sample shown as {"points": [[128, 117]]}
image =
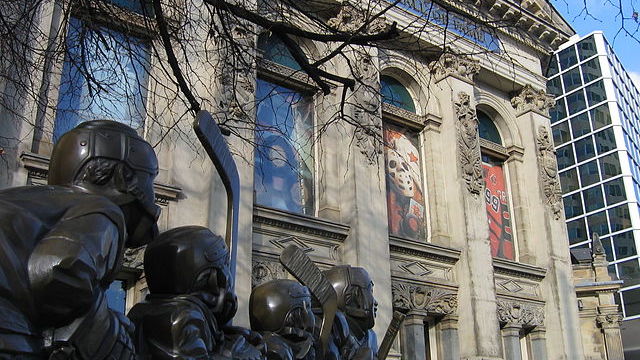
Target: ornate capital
{"points": [[458, 66], [469, 144], [351, 18], [530, 99], [265, 270], [512, 312], [424, 298], [609, 321], [548, 167]]}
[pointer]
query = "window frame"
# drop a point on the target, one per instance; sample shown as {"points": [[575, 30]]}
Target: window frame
{"points": [[296, 80], [413, 122], [499, 152]]}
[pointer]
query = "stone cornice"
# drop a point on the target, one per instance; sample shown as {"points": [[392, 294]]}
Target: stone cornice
{"points": [[423, 250], [38, 167], [517, 269], [300, 223], [285, 75], [404, 117]]}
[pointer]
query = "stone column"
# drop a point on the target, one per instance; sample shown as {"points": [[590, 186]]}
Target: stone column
{"points": [[538, 343], [449, 341], [610, 325], [511, 341], [413, 337]]}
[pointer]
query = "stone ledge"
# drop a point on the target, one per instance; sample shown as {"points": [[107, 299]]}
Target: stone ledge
{"points": [[38, 167], [423, 249], [513, 268], [300, 223]]}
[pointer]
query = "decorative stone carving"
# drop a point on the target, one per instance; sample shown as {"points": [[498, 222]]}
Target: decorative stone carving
{"points": [[511, 286], [549, 172], [469, 144], [459, 66], [351, 19], [368, 132], [530, 99], [134, 258], [415, 268], [283, 242], [520, 313], [609, 320], [426, 298], [265, 270]]}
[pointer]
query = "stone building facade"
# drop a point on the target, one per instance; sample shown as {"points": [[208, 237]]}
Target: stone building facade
{"points": [[472, 246]]}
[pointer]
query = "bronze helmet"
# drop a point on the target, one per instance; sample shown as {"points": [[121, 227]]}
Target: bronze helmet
{"points": [[355, 293], [185, 260], [282, 306], [104, 139]]}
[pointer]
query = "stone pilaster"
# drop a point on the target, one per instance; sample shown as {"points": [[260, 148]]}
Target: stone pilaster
{"points": [[548, 246], [511, 341], [464, 185], [610, 325]]}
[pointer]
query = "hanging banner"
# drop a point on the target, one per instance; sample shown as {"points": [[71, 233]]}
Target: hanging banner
{"points": [[405, 198], [498, 214]]}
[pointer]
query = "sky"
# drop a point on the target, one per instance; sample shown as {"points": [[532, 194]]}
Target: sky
{"points": [[586, 16]]}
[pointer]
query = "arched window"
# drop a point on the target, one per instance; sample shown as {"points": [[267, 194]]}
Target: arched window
{"points": [[284, 160], [273, 49], [394, 93], [403, 165], [496, 189]]}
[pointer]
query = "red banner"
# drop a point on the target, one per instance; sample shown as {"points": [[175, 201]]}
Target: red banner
{"points": [[498, 213]]}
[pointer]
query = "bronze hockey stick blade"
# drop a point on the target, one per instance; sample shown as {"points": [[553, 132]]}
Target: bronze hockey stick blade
{"points": [[390, 335], [303, 269]]}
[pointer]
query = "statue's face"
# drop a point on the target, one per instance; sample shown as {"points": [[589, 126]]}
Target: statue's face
{"points": [[361, 304]]}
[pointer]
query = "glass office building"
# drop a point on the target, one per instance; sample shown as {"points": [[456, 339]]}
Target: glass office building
{"points": [[596, 131]]}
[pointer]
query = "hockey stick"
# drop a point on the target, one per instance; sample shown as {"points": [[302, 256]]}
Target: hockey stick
{"points": [[303, 269], [390, 335], [211, 139]]}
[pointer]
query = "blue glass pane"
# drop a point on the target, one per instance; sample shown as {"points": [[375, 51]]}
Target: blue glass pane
{"points": [[284, 155], [139, 6], [104, 77], [273, 49], [394, 93], [117, 296], [488, 129]]}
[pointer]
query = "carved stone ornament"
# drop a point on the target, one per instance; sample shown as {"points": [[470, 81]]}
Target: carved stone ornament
{"points": [[351, 18], [609, 321], [368, 133], [549, 172], [134, 258], [426, 298], [530, 99], [469, 144], [459, 66], [265, 270], [520, 313]]}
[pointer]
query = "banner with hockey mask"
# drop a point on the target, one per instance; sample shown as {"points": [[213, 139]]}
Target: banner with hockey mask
{"points": [[405, 197]]}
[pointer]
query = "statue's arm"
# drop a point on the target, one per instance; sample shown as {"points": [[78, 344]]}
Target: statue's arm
{"points": [[68, 265]]}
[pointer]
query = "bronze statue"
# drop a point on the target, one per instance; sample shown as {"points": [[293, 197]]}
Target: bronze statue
{"points": [[352, 334], [190, 300], [280, 310], [61, 245]]}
